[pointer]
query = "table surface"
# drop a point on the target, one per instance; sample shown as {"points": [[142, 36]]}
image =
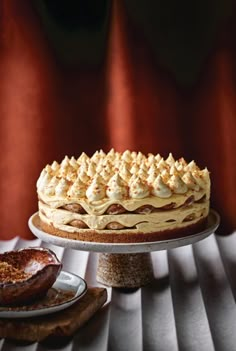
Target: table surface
{"points": [[189, 306]]}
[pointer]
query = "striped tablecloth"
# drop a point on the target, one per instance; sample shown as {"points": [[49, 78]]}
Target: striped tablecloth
{"points": [[190, 305]]}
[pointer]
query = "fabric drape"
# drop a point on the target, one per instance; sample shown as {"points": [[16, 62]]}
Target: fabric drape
{"points": [[134, 76]]}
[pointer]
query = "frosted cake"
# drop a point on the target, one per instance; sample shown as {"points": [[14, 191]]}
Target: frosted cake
{"points": [[123, 197]]}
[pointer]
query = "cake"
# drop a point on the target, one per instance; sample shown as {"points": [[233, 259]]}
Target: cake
{"points": [[123, 197]]}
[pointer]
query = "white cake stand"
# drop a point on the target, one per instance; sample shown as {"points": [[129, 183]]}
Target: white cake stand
{"points": [[125, 265]]}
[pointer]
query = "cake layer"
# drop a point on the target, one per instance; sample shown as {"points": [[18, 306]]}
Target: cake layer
{"points": [[100, 207], [124, 235], [149, 222]]}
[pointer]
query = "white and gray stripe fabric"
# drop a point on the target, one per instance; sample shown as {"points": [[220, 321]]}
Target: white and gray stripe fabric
{"points": [[189, 307]]}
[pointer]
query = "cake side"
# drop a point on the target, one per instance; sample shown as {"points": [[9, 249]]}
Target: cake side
{"points": [[124, 235]]}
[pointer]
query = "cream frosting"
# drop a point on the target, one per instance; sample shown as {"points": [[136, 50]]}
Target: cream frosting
{"points": [[105, 174], [55, 166], [144, 177], [83, 158], [91, 169], [124, 171], [138, 189], [152, 177], [78, 189], [177, 185], [160, 189], [170, 159], [202, 178], [73, 162], [126, 156], [83, 175], [162, 165], [152, 168], [65, 162], [190, 181], [62, 187], [96, 190], [117, 189], [44, 181], [134, 169], [40, 179], [50, 189]]}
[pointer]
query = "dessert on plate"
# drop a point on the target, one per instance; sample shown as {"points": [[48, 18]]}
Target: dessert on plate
{"points": [[27, 274], [123, 197]]}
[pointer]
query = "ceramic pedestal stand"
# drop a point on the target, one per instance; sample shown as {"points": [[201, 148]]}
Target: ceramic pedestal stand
{"points": [[124, 265], [124, 270]]}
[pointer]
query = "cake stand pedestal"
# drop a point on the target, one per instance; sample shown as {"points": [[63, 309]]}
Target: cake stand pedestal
{"points": [[125, 270], [124, 265]]}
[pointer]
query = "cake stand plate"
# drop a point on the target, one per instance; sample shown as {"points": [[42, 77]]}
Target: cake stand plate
{"points": [[126, 265]]}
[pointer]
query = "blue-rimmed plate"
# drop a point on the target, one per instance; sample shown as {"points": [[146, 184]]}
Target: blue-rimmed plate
{"points": [[67, 289]]}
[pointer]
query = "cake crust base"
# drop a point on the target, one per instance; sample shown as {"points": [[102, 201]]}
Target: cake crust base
{"points": [[122, 236]]}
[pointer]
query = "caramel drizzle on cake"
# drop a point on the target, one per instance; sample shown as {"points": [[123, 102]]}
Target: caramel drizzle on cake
{"points": [[122, 190]]}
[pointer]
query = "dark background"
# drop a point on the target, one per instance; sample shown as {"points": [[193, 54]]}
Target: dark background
{"points": [[154, 76]]}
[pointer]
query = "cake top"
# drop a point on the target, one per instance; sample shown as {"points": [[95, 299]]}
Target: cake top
{"points": [[117, 176]]}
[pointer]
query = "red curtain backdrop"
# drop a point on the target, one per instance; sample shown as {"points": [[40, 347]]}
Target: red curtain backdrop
{"points": [[49, 109]]}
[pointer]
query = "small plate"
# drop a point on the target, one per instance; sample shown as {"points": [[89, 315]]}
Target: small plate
{"points": [[67, 289]]}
